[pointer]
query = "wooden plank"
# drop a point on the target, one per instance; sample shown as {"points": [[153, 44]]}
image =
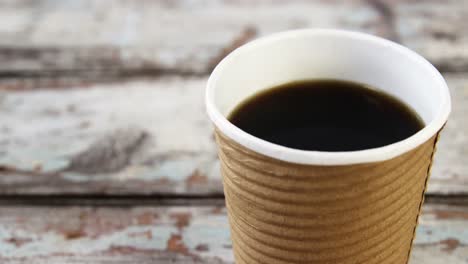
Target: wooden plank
{"points": [[175, 235], [155, 36], [112, 235], [140, 137], [442, 236], [148, 137], [125, 38], [436, 29], [450, 170]]}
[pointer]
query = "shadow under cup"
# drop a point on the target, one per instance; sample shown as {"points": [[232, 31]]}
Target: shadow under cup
{"points": [[294, 206]]}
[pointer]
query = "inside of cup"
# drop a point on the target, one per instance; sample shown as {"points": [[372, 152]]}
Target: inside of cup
{"points": [[270, 62]]}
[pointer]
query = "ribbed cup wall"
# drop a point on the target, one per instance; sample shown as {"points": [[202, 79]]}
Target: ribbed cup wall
{"points": [[281, 212]]}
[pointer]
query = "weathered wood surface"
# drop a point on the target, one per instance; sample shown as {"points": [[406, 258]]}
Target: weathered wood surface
{"points": [[155, 36], [175, 234], [140, 137], [436, 29], [149, 137], [450, 171], [152, 137], [127, 38], [104, 235]]}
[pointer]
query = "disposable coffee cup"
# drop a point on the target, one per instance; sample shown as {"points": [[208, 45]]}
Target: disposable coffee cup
{"points": [[294, 206]]}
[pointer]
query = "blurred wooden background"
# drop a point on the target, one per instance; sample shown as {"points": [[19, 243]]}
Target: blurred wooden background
{"points": [[107, 155]]}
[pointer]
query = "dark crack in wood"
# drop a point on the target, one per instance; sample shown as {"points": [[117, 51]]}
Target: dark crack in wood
{"points": [[245, 36], [386, 21], [112, 200], [110, 153]]}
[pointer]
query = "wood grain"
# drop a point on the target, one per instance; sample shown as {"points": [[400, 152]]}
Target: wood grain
{"points": [[152, 36], [175, 235], [104, 235], [450, 170], [83, 119], [149, 137], [140, 137], [435, 29], [127, 38]]}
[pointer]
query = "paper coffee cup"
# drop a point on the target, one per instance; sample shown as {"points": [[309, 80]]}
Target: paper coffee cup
{"points": [[294, 206]]}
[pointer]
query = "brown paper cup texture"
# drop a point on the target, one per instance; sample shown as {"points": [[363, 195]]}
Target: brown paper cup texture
{"points": [[293, 206]]}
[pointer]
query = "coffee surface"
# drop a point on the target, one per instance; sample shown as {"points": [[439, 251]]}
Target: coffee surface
{"points": [[326, 115]]}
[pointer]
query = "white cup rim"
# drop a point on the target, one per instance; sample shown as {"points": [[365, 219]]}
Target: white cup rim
{"points": [[324, 157]]}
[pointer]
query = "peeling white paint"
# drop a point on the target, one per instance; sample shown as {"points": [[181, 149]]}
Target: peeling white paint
{"points": [[50, 243], [212, 230]]}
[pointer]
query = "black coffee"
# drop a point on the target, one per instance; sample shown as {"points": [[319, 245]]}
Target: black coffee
{"points": [[326, 115]]}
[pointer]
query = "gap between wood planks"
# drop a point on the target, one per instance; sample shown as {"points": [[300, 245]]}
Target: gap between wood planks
{"points": [[61, 78], [112, 200], [161, 200], [16, 81]]}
